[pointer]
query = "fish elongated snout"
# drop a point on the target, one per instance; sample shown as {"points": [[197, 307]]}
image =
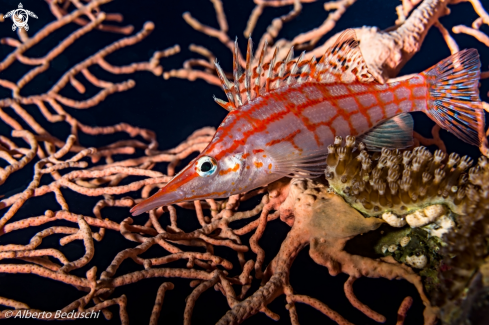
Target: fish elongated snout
{"points": [[162, 197]]}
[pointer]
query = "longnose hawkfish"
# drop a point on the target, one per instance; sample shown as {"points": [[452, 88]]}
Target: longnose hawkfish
{"points": [[284, 117]]}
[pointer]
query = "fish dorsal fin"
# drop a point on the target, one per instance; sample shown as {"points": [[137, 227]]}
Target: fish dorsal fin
{"points": [[341, 63], [394, 133]]}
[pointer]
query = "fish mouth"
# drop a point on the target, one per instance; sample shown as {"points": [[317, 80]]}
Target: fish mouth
{"points": [[163, 197]]}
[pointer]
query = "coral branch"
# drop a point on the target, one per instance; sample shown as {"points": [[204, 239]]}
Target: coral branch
{"points": [[155, 314], [403, 309], [358, 304]]}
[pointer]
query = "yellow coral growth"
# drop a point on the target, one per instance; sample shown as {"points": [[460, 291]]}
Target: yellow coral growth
{"points": [[401, 182]]}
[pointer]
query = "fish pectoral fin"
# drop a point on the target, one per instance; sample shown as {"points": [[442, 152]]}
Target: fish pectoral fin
{"points": [[394, 133], [308, 165]]}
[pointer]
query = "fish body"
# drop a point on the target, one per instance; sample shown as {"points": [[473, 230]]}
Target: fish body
{"points": [[286, 130]]}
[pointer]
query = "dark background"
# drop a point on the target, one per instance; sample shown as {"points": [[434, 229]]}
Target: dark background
{"points": [[173, 109]]}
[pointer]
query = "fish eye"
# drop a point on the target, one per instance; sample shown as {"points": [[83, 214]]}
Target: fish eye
{"points": [[206, 166]]}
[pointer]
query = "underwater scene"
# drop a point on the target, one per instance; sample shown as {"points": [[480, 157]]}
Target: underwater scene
{"points": [[244, 162]]}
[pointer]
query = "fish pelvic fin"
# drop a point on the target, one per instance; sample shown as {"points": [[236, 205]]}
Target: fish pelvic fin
{"points": [[453, 100], [342, 62]]}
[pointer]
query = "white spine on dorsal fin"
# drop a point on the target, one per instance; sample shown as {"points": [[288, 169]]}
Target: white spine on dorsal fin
{"points": [[270, 69], [226, 84], [312, 62], [291, 79], [223, 104], [281, 73], [236, 73], [306, 69], [249, 58], [259, 69], [290, 55]]}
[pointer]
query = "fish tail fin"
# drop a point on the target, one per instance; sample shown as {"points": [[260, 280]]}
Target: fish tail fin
{"points": [[453, 100]]}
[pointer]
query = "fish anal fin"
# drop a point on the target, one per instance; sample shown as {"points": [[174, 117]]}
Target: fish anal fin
{"points": [[394, 133]]}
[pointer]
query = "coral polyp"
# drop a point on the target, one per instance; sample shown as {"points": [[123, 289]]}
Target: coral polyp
{"points": [[439, 202], [415, 186]]}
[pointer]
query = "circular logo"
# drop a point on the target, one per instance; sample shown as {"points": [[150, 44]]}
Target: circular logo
{"points": [[20, 17]]}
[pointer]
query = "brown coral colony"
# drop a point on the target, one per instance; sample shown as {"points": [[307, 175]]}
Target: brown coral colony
{"points": [[401, 182]]}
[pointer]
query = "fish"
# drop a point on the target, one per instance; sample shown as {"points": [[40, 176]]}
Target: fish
{"points": [[284, 117]]}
